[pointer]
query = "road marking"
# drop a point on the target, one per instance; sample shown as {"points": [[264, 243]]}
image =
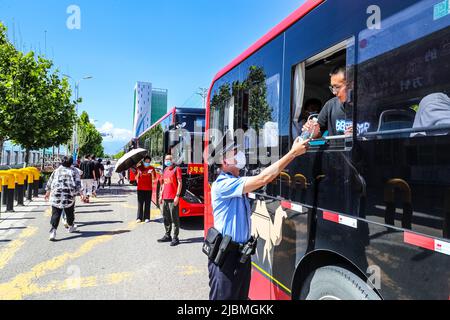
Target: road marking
{"points": [[48, 212], [77, 284], [13, 247], [189, 270], [22, 285]]}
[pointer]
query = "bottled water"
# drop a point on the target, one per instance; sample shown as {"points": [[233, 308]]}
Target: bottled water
{"points": [[306, 135]]}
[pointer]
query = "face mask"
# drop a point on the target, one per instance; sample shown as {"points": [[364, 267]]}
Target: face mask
{"points": [[168, 163], [241, 160], [147, 165]]}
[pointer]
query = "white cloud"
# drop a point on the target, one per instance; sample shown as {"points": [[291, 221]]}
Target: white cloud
{"points": [[112, 134]]}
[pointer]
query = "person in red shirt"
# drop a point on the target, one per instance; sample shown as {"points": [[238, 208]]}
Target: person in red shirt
{"points": [[145, 176], [170, 198]]}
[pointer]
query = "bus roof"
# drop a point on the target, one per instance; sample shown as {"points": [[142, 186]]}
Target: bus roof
{"points": [[307, 7], [175, 110]]}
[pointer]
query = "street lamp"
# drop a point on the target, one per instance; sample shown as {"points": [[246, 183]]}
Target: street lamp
{"points": [[77, 96]]}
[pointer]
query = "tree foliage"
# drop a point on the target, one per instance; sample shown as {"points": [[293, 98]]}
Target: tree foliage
{"points": [[35, 107], [90, 140]]}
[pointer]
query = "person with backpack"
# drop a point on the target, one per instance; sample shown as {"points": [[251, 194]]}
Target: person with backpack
{"points": [[170, 199], [62, 188]]}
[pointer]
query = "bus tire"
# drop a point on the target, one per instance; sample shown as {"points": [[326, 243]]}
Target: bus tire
{"points": [[336, 283]]}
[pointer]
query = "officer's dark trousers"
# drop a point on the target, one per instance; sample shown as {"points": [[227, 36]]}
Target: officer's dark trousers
{"points": [[56, 216], [144, 204], [232, 280]]}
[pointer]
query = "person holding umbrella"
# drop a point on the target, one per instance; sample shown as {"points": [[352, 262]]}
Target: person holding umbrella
{"points": [[145, 177]]}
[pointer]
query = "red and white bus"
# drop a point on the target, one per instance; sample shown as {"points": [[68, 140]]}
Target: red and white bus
{"points": [[360, 216], [177, 133]]}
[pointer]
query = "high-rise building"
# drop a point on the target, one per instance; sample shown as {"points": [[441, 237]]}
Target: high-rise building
{"points": [[142, 107], [159, 104], [149, 106]]}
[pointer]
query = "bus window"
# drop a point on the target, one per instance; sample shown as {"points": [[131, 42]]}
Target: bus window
{"points": [[403, 110], [311, 94]]}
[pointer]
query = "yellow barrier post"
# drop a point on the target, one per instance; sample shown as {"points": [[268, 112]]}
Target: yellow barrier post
{"points": [[10, 183], [30, 181], [37, 178], [20, 185]]}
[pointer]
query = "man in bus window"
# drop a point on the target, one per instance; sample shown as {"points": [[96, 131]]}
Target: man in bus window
{"points": [[231, 210], [333, 117]]}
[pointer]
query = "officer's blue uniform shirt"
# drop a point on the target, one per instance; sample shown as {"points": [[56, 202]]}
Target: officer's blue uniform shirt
{"points": [[231, 208]]}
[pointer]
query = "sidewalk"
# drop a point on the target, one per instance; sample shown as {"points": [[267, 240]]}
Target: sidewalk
{"points": [[110, 257]]}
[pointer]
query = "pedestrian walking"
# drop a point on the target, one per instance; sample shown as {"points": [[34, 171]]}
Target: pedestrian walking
{"points": [[170, 199], [62, 188], [145, 177], [99, 169], [87, 179], [108, 173], [78, 173], [230, 267], [121, 178]]}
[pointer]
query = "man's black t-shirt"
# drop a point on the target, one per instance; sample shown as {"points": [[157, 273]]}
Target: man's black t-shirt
{"points": [[87, 167], [98, 167], [333, 118]]}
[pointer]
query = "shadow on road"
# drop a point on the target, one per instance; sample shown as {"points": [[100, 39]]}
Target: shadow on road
{"points": [[192, 223], [192, 240], [13, 228], [96, 223], [97, 211], [93, 234]]}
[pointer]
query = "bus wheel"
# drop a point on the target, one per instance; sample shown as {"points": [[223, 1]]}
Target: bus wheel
{"points": [[336, 283]]}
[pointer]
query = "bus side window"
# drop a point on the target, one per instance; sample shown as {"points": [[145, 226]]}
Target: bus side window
{"points": [[311, 92]]}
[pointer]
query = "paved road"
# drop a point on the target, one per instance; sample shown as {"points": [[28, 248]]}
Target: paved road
{"points": [[110, 257]]}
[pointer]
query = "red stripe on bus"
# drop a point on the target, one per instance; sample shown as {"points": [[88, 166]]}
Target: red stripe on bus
{"points": [[333, 217], [419, 241]]}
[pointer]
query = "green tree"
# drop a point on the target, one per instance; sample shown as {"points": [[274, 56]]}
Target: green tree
{"points": [[259, 111], [8, 55], [90, 140], [40, 112], [119, 155], [35, 107]]}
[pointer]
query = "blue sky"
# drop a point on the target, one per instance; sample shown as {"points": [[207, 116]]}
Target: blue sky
{"points": [[175, 44]]}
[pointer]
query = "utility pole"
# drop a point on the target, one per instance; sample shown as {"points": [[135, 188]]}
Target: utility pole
{"points": [[203, 92], [75, 142]]}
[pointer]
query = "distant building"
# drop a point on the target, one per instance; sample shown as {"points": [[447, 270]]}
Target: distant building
{"points": [[159, 104], [14, 155], [149, 106]]}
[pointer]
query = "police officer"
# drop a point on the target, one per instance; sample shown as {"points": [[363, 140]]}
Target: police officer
{"points": [[231, 210]]}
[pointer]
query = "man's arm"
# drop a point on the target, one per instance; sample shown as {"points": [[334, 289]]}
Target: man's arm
{"points": [[180, 186], [271, 173]]}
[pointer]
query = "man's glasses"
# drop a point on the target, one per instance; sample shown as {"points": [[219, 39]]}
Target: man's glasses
{"points": [[335, 89]]}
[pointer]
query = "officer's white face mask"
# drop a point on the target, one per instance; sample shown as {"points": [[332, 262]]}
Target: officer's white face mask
{"points": [[241, 160]]}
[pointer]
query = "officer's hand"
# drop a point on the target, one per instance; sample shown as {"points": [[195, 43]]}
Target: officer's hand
{"points": [[300, 147], [176, 201]]}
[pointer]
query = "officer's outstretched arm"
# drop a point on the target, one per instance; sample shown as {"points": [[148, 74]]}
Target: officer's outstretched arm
{"points": [[271, 173]]}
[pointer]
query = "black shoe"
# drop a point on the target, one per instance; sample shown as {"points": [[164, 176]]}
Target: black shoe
{"points": [[175, 242], [166, 238]]}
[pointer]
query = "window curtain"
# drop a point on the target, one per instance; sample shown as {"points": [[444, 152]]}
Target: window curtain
{"points": [[298, 97]]}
